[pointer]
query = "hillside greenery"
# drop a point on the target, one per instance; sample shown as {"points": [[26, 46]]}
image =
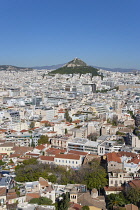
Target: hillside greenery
{"points": [[76, 70]]}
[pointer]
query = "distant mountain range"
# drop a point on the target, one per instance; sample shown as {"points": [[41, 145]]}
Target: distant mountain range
{"points": [[54, 67], [116, 69], [14, 68]]}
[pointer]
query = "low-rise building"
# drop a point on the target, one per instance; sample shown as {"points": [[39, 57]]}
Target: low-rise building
{"points": [[118, 177], [68, 160], [85, 145]]}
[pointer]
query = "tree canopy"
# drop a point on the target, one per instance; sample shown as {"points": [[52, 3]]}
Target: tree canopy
{"points": [[63, 202], [92, 174], [116, 200], [43, 140], [41, 201], [85, 208], [67, 117], [1, 163], [32, 124], [131, 195], [95, 176]]}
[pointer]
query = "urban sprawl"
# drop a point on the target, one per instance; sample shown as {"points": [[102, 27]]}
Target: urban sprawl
{"points": [[69, 141]]}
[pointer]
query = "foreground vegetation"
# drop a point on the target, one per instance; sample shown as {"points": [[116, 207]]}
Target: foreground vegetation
{"points": [[92, 174], [129, 196]]}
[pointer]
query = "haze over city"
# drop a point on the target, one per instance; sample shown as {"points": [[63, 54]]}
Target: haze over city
{"points": [[102, 33]]}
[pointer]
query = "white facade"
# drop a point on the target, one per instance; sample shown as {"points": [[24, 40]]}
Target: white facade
{"points": [[68, 160]]}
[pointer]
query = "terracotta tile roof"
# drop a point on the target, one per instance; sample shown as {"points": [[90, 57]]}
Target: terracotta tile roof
{"points": [[43, 182], [69, 124], [77, 152], [51, 132], [113, 188], [61, 110], [10, 164], [134, 160], [8, 144], [22, 150], [3, 191], [11, 195], [2, 141], [13, 155], [121, 126], [44, 121], [76, 121], [3, 130], [3, 154], [33, 195], [128, 154], [75, 206], [1, 157], [113, 156], [131, 207], [68, 156], [54, 151], [13, 131], [31, 154], [34, 128], [49, 158], [135, 183], [40, 147], [22, 131]]}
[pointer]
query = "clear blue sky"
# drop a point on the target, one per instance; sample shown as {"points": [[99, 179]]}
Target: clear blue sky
{"points": [[46, 32]]}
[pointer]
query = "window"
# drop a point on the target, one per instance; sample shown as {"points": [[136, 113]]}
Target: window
{"points": [[73, 162], [69, 161]]}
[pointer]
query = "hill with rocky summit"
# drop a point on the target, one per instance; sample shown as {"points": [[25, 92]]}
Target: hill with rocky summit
{"points": [[75, 62], [76, 66]]}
